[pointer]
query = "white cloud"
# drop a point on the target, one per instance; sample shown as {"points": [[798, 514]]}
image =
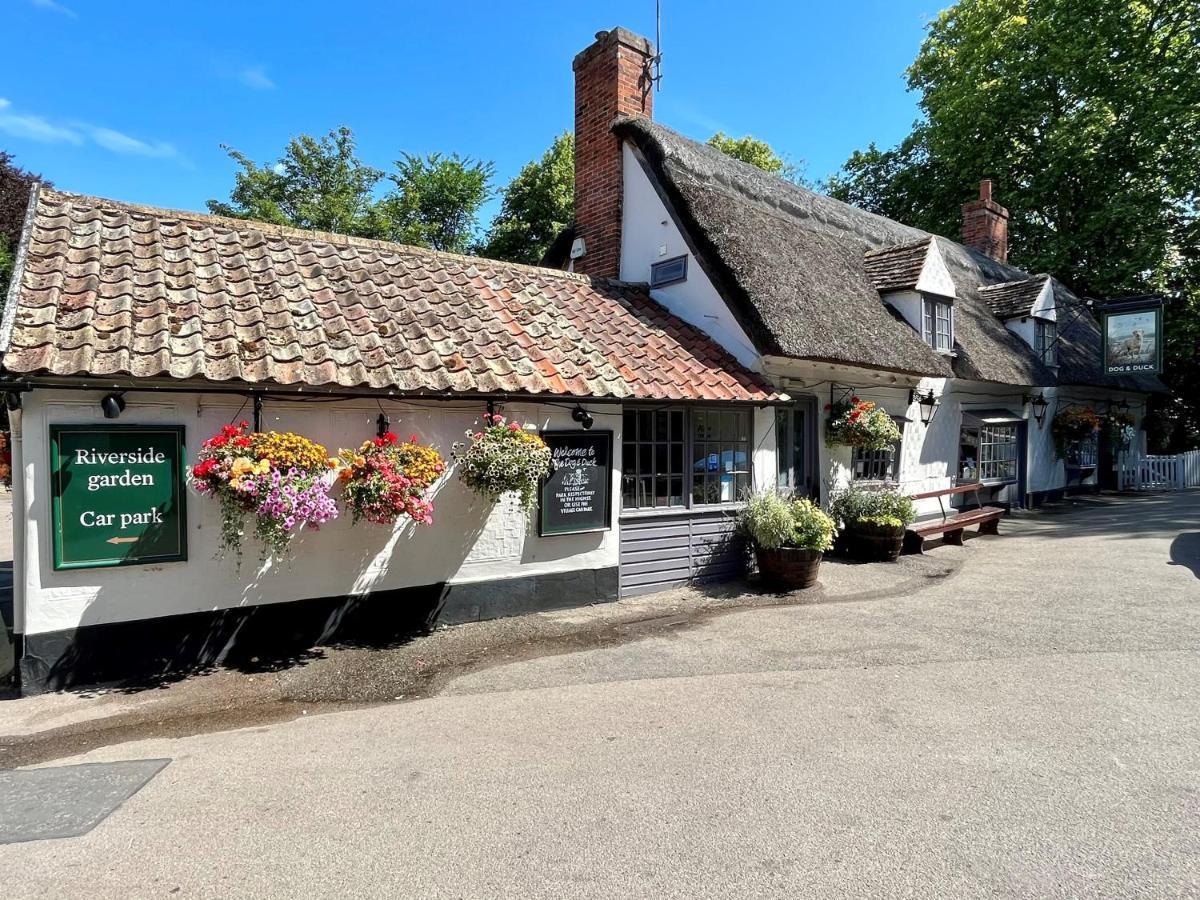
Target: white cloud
{"points": [[55, 7], [256, 77], [123, 143], [38, 128]]}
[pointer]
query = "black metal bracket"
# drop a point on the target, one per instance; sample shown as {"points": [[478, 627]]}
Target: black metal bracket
{"points": [[258, 406]]}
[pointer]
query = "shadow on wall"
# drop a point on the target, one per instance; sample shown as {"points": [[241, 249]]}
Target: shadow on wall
{"points": [[265, 637], [1185, 551]]}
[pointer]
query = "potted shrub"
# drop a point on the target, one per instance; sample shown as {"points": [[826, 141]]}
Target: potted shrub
{"points": [[789, 539], [1119, 429], [281, 479], [503, 458], [385, 479], [860, 423], [873, 522]]}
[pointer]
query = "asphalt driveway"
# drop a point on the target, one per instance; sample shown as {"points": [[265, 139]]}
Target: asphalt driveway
{"points": [[1022, 722]]}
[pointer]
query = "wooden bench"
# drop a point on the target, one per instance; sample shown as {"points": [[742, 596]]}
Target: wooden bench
{"points": [[951, 526]]}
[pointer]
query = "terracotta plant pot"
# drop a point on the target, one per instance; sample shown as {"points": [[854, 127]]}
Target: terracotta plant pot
{"points": [[873, 543], [788, 568]]}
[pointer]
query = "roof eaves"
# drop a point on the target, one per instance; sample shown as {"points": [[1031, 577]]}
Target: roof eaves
{"points": [[18, 273]]}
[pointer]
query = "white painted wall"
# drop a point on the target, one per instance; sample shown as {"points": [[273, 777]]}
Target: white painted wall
{"points": [[470, 540], [649, 235]]}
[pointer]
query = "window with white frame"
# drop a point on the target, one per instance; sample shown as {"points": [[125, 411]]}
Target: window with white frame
{"points": [[1045, 339], [877, 465], [938, 324], [998, 453]]}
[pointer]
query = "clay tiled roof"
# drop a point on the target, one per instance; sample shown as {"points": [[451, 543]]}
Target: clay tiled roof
{"points": [[109, 289], [897, 268], [1013, 298]]}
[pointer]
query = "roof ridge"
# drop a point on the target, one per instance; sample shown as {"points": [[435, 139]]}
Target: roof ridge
{"points": [[1041, 276], [329, 237], [907, 245]]}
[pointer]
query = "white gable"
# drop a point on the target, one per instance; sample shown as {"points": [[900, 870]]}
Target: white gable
{"points": [[935, 277], [1043, 306]]}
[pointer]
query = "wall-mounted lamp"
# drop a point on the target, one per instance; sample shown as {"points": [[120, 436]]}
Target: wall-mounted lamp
{"points": [[12, 400], [382, 425], [929, 403], [1039, 404], [583, 417], [113, 405]]}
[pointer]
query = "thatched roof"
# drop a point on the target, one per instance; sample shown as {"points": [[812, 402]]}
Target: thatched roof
{"points": [[794, 267], [1013, 299]]}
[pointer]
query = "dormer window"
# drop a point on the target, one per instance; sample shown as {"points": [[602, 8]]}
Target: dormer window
{"points": [[938, 324], [1045, 341]]}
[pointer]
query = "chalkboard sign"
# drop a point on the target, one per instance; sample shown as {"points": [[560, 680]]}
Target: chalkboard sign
{"points": [[577, 497], [117, 494]]}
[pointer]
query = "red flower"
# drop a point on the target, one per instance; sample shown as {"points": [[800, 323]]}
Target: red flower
{"points": [[855, 400]]}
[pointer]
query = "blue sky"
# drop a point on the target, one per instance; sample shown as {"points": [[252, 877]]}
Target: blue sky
{"points": [[133, 100]]}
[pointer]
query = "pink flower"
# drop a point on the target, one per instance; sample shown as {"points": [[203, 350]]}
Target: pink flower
{"points": [[513, 426]]}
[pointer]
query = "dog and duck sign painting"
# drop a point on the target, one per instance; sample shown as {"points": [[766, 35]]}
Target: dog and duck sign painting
{"points": [[1132, 332], [118, 495]]}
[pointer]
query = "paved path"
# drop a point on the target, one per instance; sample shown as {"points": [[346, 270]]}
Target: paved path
{"points": [[1028, 725]]}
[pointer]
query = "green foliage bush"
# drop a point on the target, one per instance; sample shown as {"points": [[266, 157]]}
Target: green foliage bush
{"points": [[853, 505], [772, 521]]}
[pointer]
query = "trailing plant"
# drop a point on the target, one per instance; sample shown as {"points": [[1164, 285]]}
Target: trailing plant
{"points": [[6, 473], [503, 458], [860, 423], [279, 478], [772, 521], [1075, 423], [854, 506], [1119, 428], [385, 479]]}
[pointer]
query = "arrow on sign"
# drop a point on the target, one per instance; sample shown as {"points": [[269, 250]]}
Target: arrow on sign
{"points": [[120, 540]]}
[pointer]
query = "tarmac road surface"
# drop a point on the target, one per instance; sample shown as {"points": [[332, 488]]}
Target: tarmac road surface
{"points": [[1027, 726]]}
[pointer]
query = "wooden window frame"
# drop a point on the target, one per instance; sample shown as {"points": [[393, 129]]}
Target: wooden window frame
{"points": [[689, 444]]}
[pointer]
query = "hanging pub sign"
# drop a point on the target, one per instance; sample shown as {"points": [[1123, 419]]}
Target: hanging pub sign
{"points": [[117, 495], [577, 496], [1132, 334]]}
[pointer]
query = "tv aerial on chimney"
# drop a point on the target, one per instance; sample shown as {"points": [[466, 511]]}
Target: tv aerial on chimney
{"points": [[654, 64]]}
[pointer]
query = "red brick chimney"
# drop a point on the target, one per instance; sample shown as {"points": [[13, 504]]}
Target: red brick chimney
{"points": [[612, 78], [985, 224]]}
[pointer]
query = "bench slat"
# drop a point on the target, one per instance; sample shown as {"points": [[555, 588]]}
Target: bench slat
{"points": [[946, 492], [957, 523]]}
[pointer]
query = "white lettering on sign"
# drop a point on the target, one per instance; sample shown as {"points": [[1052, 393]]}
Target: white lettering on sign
{"points": [[92, 519], [575, 457], [125, 479], [140, 456]]}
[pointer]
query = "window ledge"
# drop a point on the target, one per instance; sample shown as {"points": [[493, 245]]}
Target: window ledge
{"points": [[662, 511]]}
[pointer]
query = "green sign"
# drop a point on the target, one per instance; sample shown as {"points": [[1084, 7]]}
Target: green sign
{"points": [[118, 495], [1132, 336]]}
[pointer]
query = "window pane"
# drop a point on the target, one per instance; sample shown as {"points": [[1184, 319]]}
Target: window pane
{"points": [[677, 490], [660, 458], [629, 427], [645, 423], [677, 425], [629, 458], [660, 425], [676, 458]]}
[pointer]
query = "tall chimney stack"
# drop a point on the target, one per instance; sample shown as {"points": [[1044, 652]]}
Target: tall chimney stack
{"points": [[985, 224], [612, 78]]}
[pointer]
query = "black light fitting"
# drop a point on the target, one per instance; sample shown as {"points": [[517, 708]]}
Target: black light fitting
{"points": [[1039, 404], [929, 403], [382, 425], [113, 405], [583, 417]]}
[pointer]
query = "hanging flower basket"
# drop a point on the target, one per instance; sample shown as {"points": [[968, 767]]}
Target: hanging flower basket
{"points": [[6, 458], [278, 478], [385, 479], [1119, 429], [860, 423], [503, 458], [1075, 423]]}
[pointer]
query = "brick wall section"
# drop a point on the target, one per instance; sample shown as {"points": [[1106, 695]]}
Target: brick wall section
{"points": [[610, 81], [985, 224]]}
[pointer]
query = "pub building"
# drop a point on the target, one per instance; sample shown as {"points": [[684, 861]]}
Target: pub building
{"points": [[677, 351]]}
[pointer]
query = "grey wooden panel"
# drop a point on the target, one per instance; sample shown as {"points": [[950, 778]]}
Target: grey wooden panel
{"points": [[673, 549]]}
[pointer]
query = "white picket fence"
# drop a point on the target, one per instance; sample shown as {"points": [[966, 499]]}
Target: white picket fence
{"points": [[1141, 472]]}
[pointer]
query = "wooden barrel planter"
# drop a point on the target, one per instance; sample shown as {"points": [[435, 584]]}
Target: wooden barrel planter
{"points": [[874, 543], [788, 568]]}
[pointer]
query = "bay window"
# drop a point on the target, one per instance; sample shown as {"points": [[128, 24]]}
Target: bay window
{"points": [[675, 457]]}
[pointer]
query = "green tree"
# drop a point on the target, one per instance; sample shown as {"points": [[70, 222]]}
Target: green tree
{"points": [[538, 203], [318, 184], [758, 153], [435, 201], [1086, 115], [15, 185]]}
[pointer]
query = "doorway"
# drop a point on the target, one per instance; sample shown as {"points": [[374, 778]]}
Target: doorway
{"points": [[796, 448]]}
